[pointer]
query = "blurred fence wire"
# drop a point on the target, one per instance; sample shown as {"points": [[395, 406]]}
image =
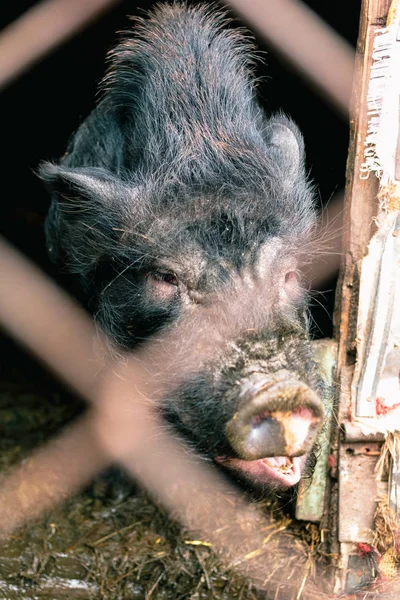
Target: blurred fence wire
{"points": [[40, 30], [318, 52], [121, 423]]}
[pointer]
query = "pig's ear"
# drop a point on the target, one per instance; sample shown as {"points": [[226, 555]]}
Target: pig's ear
{"points": [[73, 184], [88, 206], [286, 145]]}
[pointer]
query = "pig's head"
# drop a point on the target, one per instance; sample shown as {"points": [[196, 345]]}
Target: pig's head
{"points": [[177, 190]]}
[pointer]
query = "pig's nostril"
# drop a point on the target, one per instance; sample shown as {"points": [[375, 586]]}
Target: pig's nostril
{"points": [[259, 419], [284, 421], [300, 412]]}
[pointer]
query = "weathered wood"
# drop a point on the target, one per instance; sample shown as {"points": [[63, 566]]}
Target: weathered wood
{"points": [[360, 195], [358, 487]]}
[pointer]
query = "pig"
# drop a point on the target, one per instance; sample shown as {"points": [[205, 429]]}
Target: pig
{"points": [[175, 186]]}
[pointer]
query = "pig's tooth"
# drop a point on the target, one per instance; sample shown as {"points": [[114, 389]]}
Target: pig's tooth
{"points": [[283, 464], [271, 462]]}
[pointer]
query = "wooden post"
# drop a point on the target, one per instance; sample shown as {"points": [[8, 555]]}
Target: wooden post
{"points": [[356, 453]]}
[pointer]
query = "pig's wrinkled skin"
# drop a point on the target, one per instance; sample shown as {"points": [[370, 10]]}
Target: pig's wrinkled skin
{"points": [[175, 185]]}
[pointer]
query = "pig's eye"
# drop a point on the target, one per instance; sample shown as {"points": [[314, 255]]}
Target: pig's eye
{"points": [[162, 285], [169, 278]]}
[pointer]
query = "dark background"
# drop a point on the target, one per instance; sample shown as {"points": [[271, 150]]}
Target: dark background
{"points": [[41, 109]]}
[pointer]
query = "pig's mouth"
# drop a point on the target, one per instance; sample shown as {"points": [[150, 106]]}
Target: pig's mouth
{"points": [[275, 471]]}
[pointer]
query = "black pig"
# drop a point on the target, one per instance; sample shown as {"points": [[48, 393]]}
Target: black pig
{"points": [[176, 185]]}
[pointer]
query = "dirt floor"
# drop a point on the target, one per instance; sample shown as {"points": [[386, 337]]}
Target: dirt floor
{"points": [[110, 542]]}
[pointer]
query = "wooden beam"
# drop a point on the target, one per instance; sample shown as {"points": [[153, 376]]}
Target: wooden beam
{"points": [[356, 455]]}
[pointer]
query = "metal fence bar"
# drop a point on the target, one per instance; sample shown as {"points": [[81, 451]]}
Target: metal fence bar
{"points": [[319, 53], [46, 321], [41, 29], [52, 474]]}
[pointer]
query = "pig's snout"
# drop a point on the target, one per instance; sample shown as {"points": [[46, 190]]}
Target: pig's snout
{"points": [[275, 418]]}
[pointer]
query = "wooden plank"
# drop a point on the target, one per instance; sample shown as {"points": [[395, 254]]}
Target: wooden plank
{"points": [[360, 204], [356, 461]]}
